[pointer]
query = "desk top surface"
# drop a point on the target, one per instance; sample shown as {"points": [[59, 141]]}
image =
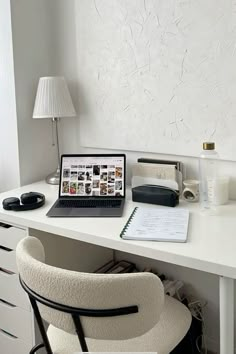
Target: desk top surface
{"points": [[211, 244]]}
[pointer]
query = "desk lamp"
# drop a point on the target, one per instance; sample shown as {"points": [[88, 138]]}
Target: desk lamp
{"points": [[53, 101]]}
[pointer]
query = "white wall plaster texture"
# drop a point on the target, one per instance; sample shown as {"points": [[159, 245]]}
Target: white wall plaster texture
{"points": [[158, 75]]}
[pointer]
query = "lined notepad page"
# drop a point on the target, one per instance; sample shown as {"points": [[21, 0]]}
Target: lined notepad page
{"points": [[157, 225]]}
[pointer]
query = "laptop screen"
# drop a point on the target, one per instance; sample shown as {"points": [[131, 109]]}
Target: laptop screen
{"points": [[92, 175]]}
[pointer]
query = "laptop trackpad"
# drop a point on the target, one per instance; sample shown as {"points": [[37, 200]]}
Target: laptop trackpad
{"points": [[86, 212]]}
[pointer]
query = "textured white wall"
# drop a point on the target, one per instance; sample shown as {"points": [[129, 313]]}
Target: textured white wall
{"points": [[9, 164], [73, 131], [158, 76]]}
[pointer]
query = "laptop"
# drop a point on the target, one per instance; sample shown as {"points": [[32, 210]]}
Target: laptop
{"points": [[91, 185]]}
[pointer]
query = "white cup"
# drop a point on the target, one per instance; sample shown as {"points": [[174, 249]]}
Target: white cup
{"points": [[191, 190]]}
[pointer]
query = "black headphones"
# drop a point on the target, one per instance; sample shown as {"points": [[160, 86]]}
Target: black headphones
{"points": [[30, 201]]}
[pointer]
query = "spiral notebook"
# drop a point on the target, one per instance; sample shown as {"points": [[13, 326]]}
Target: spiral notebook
{"points": [[157, 224]]}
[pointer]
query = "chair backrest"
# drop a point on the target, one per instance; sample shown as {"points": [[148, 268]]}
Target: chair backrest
{"points": [[91, 291]]}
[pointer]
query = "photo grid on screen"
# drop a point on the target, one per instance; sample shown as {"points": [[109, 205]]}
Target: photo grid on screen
{"points": [[92, 176]]}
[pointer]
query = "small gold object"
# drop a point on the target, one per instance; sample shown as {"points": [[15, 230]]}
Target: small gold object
{"points": [[208, 146]]}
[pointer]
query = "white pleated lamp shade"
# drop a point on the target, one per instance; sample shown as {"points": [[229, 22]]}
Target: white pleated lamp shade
{"points": [[53, 99]]}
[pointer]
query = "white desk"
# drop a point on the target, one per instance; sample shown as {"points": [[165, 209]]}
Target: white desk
{"points": [[211, 243]]}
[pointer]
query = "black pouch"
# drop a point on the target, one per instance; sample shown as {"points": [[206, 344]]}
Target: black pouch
{"points": [[153, 194]]}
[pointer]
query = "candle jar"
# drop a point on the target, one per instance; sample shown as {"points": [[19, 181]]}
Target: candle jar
{"points": [[221, 190]]}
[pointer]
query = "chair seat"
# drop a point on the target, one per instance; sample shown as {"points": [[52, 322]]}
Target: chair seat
{"points": [[161, 339]]}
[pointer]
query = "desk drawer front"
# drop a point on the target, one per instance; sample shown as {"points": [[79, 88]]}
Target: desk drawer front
{"points": [[13, 345], [8, 259], [11, 290], [11, 235], [16, 321]]}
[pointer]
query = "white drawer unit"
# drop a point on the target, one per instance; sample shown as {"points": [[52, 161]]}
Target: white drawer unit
{"points": [[11, 235], [11, 290], [16, 319], [8, 259], [10, 344]]}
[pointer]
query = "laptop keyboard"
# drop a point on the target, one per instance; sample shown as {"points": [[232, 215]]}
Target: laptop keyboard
{"points": [[113, 203]]}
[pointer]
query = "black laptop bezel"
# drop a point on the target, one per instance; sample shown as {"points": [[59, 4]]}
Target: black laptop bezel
{"points": [[93, 196]]}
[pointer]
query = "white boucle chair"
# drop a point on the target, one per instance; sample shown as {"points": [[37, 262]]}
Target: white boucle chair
{"points": [[99, 312]]}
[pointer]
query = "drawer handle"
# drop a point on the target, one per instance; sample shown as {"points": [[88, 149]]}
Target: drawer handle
{"points": [[8, 334], [6, 271], [8, 304], [6, 249], [5, 226]]}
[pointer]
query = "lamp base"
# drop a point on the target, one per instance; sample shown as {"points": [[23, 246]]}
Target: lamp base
{"points": [[54, 178]]}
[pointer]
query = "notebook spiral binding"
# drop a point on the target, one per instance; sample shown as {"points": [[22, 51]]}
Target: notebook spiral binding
{"points": [[128, 222]]}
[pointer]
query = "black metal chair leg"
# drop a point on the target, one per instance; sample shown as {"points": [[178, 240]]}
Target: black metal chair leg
{"points": [[41, 326], [80, 332]]}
